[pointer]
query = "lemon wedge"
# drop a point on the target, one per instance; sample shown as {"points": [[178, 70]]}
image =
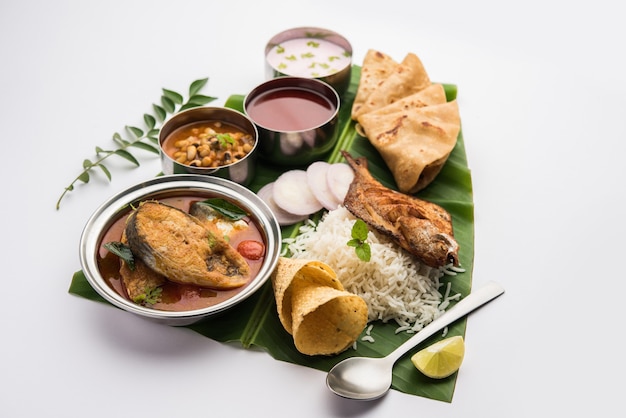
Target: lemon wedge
{"points": [[440, 359]]}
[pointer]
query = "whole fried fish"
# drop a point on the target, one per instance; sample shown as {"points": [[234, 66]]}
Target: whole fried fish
{"points": [[181, 248], [422, 228]]}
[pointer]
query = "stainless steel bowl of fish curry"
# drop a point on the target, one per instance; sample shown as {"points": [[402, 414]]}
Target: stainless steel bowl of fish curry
{"points": [[180, 248]]}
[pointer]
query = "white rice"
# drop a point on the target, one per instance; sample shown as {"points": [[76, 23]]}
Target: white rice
{"points": [[368, 337], [395, 286]]}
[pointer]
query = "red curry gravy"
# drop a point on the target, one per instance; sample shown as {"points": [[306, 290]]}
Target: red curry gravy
{"points": [[290, 109], [178, 297]]}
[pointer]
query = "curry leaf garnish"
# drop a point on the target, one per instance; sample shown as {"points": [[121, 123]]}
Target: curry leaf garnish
{"points": [[225, 139], [146, 138], [225, 208], [149, 297], [122, 251], [359, 240], [212, 239]]}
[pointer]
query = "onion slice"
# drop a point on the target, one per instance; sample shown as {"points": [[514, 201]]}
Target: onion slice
{"points": [[284, 218], [339, 178], [293, 194], [317, 179]]}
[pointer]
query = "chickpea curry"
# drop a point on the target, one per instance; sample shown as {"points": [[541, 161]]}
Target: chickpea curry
{"points": [[208, 144]]}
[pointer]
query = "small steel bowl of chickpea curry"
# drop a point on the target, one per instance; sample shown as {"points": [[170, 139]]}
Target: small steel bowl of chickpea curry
{"points": [[217, 141]]}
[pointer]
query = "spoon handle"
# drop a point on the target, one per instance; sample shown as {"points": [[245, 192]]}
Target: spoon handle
{"points": [[466, 305]]}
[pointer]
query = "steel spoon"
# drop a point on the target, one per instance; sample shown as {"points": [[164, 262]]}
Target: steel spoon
{"points": [[366, 378]]}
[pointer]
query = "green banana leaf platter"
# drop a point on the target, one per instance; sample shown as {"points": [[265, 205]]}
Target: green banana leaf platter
{"points": [[254, 323]]}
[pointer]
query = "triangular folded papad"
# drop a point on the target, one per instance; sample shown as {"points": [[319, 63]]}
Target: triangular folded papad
{"points": [[414, 143], [407, 78], [431, 95], [377, 66]]}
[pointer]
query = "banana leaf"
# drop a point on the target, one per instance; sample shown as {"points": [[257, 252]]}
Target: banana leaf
{"points": [[254, 323]]}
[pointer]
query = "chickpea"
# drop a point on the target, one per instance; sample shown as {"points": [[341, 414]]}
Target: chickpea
{"points": [[191, 153], [210, 146], [204, 150], [181, 143]]}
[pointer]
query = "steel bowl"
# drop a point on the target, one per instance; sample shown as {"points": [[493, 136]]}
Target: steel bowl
{"points": [[333, 69], [312, 139], [241, 171], [118, 206]]}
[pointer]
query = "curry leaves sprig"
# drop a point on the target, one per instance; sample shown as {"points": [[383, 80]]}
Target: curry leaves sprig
{"points": [[359, 240], [145, 138]]}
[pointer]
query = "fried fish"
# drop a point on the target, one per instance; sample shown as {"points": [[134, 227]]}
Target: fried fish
{"points": [[422, 228], [181, 248]]}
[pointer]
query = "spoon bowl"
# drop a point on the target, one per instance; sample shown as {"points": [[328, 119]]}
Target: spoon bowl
{"points": [[364, 378], [361, 378]]}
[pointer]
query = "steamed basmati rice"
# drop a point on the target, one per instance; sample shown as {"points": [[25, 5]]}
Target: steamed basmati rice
{"points": [[395, 286]]}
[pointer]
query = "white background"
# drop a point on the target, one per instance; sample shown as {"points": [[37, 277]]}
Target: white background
{"points": [[543, 103]]}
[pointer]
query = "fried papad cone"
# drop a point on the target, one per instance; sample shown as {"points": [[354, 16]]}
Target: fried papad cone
{"points": [[407, 78], [415, 142], [290, 271], [377, 66], [326, 321], [313, 306]]}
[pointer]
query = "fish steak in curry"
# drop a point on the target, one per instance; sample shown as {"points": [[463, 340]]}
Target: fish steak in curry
{"points": [[182, 248]]}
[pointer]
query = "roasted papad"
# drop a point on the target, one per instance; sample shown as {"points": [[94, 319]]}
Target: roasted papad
{"points": [[407, 119], [407, 78], [414, 142], [377, 66]]}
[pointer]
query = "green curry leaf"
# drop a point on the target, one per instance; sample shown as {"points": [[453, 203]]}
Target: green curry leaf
{"points": [[363, 251], [149, 120], [141, 138], [199, 99], [359, 240], [105, 170], [196, 86], [122, 251], [225, 139], [149, 297], [225, 208], [173, 96]]}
